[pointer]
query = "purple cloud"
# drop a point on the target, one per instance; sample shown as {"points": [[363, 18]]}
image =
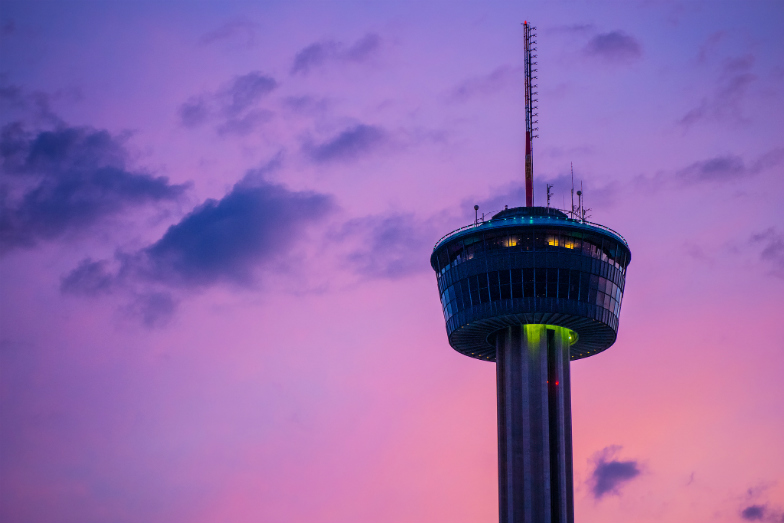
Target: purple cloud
{"points": [[348, 145], [731, 89], [615, 46], [487, 84], [66, 180], [609, 474], [321, 53]]}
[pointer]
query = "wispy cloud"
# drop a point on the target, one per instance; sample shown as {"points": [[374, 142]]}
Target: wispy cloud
{"points": [[389, 246], [772, 243], [234, 108], [486, 84], [240, 30], [320, 54], [614, 47], [609, 473], [350, 144], [65, 180], [728, 168], [725, 103]]}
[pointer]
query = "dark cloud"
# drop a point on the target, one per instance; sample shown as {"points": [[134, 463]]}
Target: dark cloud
{"points": [[576, 29], [726, 100], [234, 108], [615, 46], [8, 28], [349, 144], [490, 83], [90, 278], [319, 54], [35, 105], [65, 180], [389, 246], [772, 243], [245, 91], [240, 30], [610, 474], [753, 512], [225, 240]]}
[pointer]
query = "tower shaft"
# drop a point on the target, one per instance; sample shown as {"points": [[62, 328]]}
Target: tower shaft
{"points": [[535, 483]]}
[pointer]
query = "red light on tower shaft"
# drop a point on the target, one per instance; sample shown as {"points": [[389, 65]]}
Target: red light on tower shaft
{"points": [[530, 93]]}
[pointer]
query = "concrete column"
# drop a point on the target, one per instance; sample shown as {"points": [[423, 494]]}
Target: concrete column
{"points": [[535, 482]]}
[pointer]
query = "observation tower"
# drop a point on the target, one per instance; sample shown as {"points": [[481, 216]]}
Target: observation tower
{"points": [[532, 289]]}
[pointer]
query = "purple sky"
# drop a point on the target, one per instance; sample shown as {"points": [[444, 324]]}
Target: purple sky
{"points": [[215, 228]]}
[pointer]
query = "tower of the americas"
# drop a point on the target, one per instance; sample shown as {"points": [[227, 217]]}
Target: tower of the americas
{"points": [[532, 289]]}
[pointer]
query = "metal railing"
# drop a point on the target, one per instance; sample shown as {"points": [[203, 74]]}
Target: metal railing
{"points": [[571, 220]]}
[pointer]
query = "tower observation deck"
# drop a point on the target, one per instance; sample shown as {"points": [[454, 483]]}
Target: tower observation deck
{"points": [[532, 289]]}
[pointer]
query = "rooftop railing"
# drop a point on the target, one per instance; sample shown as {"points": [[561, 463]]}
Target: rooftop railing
{"points": [[513, 218]]}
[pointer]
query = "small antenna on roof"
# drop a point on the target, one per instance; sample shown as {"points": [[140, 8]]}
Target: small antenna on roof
{"points": [[549, 194], [572, 213], [476, 215]]}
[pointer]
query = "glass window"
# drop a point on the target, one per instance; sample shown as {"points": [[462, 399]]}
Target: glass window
{"points": [[495, 241], [574, 284], [465, 294], [455, 252], [528, 241], [443, 260], [495, 291], [552, 283], [540, 276], [484, 295], [473, 246], [506, 291], [585, 281], [539, 240], [515, 240], [607, 301], [563, 283], [528, 283], [517, 283], [600, 298], [473, 283]]}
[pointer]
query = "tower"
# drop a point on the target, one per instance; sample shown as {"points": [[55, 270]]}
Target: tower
{"points": [[532, 289]]}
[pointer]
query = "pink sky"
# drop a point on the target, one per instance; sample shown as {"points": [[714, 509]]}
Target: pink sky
{"points": [[216, 303]]}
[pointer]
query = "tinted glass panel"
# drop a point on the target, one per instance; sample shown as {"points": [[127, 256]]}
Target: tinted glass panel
{"points": [[563, 283], [495, 291], [574, 285], [473, 283], [540, 277], [517, 283], [528, 283], [484, 295], [506, 291]]}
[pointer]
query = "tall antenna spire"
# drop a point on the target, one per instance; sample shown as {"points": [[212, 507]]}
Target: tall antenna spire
{"points": [[572, 166], [530, 41]]}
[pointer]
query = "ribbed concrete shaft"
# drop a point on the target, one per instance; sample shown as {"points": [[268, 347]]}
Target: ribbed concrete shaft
{"points": [[534, 425]]}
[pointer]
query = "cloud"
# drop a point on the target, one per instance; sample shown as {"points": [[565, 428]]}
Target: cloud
{"points": [[226, 240], [234, 107], [753, 512], [488, 84], [614, 47], [240, 30], [390, 246], [319, 54], [65, 180], [610, 474], [154, 309], [349, 144], [772, 243], [90, 278], [729, 167], [726, 100]]}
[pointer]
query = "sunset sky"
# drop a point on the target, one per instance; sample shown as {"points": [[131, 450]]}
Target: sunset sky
{"points": [[216, 218]]}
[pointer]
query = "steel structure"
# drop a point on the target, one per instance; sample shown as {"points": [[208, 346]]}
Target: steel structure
{"points": [[532, 289]]}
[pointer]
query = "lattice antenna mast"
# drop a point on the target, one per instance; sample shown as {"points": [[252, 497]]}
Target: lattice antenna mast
{"points": [[530, 110]]}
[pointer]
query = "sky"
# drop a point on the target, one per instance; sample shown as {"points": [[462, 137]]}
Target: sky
{"points": [[216, 218]]}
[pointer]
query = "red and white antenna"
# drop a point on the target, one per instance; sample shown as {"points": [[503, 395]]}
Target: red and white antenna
{"points": [[530, 41]]}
